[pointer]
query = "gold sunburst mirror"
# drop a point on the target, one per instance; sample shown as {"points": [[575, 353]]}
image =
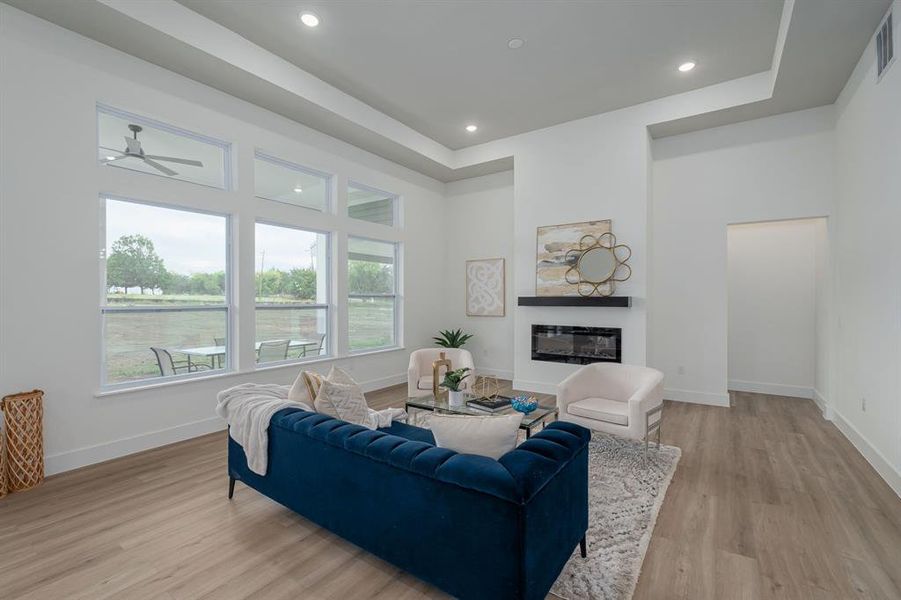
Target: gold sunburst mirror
{"points": [[598, 264]]}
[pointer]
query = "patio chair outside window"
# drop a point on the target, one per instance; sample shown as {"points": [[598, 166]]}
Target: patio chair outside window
{"points": [[219, 341], [169, 366], [317, 350], [273, 351]]}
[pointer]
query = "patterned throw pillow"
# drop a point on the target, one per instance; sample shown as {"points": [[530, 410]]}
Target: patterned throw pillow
{"points": [[342, 401], [342, 398]]}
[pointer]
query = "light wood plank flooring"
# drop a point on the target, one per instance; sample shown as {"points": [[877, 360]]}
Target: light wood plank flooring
{"points": [[769, 501]]}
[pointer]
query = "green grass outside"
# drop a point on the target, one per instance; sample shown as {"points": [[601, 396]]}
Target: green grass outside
{"points": [[128, 337]]}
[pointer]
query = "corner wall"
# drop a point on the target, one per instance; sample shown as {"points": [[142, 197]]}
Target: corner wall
{"points": [[479, 224], [867, 250]]}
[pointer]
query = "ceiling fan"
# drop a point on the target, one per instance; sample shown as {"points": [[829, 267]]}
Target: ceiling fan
{"points": [[133, 150]]}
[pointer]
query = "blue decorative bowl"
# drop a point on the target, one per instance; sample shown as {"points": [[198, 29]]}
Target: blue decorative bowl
{"points": [[523, 404]]}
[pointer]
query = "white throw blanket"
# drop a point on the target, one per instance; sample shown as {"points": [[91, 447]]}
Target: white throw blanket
{"points": [[248, 408]]}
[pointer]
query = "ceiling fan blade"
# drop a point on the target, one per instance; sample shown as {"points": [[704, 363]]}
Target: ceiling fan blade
{"points": [[183, 161], [159, 167]]}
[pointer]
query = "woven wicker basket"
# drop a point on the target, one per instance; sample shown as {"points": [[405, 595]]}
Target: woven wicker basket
{"points": [[3, 486], [24, 436]]}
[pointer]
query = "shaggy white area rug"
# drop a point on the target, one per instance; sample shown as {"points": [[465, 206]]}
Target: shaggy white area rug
{"points": [[625, 492]]}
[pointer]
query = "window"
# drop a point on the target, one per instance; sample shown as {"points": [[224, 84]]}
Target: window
{"points": [[165, 298], [292, 288], [137, 143], [281, 181], [372, 294], [370, 204]]}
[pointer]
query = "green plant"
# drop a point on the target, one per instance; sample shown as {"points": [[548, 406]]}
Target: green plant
{"points": [[452, 338], [453, 379]]}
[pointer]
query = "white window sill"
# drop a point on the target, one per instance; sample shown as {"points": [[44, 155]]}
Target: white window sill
{"points": [[140, 387], [355, 353]]}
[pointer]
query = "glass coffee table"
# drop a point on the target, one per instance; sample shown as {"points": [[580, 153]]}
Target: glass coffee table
{"points": [[539, 416]]}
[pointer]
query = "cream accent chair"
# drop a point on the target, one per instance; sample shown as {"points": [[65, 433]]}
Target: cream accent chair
{"points": [[624, 400], [419, 373]]}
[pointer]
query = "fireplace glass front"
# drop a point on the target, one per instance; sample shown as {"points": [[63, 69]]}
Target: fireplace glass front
{"points": [[576, 345]]}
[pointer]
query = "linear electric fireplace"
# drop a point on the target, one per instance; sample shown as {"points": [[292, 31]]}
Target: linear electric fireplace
{"points": [[576, 345]]}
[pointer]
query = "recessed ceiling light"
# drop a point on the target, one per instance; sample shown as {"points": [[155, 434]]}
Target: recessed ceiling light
{"points": [[472, 128], [309, 19], [686, 66], [515, 43], [110, 158], [298, 190]]}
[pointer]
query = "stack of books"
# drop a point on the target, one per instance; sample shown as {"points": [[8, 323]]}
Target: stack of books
{"points": [[490, 405]]}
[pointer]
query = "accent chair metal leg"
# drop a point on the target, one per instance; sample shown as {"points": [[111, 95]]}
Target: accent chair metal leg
{"points": [[231, 487], [583, 547]]}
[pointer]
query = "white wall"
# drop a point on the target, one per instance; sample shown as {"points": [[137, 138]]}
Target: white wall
{"points": [[768, 169], [479, 224], [867, 251], [49, 234], [586, 170], [772, 328], [824, 369]]}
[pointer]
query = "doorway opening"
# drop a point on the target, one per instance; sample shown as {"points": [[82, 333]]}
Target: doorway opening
{"points": [[778, 301]]}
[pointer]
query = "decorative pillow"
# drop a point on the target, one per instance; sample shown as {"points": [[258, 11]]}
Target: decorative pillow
{"points": [[300, 391], [311, 381], [491, 435], [340, 397]]}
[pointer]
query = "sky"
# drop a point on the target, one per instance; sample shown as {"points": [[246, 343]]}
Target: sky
{"points": [[190, 242]]}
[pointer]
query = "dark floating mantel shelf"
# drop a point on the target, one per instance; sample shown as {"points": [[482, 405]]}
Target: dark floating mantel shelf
{"points": [[613, 301]]}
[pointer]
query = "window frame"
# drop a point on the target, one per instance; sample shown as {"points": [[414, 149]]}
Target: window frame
{"points": [[396, 296], [328, 209], [395, 205], [228, 182], [329, 284], [227, 306]]}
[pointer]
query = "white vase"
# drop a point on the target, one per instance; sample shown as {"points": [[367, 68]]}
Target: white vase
{"points": [[455, 398]]}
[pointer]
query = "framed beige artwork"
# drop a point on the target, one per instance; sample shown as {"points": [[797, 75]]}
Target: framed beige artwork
{"points": [[485, 287], [553, 243]]}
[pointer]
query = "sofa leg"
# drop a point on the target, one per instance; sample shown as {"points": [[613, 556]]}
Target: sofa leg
{"points": [[231, 487], [583, 547]]}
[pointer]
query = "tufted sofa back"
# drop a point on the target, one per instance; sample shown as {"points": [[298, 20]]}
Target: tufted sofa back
{"points": [[515, 477]]}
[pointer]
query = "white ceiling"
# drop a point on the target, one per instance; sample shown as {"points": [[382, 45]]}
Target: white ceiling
{"points": [[437, 66], [402, 79]]}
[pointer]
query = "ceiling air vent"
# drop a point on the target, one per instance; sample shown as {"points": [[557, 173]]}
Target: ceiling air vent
{"points": [[885, 47]]}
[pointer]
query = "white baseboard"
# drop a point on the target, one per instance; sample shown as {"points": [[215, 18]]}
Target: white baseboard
{"points": [[773, 389], [534, 386], [882, 465], [499, 373], [383, 382], [821, 401], [82, 457], [709, 398]]}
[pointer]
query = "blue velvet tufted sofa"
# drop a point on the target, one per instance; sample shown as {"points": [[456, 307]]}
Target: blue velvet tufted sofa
{"points": [[473, 526]]}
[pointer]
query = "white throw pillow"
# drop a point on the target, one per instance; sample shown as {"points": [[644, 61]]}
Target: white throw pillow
{"points": [[340, 397], [491, 435]]}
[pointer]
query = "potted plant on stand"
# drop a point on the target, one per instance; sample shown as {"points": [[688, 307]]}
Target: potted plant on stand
{"points": [[453, 381]]}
